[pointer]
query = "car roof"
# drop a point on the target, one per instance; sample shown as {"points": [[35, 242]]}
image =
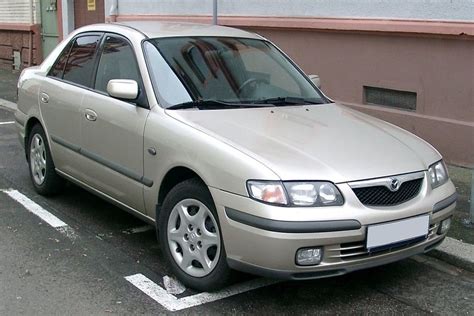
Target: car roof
{"points": [[157, 29]]}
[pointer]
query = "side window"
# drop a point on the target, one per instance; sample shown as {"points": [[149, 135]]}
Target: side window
{"points": [[58, 68], [117, 61], [80, 63]]}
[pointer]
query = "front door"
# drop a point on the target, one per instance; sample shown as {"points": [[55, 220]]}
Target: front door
{"points": [[112, 129], [49, 26]]}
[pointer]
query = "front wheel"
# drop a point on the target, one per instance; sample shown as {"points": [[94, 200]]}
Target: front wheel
{"points": [[191, 238]]}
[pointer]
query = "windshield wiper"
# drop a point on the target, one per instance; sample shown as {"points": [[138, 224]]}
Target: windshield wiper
{"points": [[212, 104], [287, 101]]}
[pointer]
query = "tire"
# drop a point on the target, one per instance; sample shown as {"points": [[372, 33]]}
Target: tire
{"points": [[191, 238], [40, 163]]}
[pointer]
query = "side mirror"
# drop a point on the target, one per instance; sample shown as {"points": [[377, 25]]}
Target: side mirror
{"points": [[123, 89], [315, 79]]}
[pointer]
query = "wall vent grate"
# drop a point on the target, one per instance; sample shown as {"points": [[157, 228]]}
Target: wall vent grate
{"points": [[393, 98]]}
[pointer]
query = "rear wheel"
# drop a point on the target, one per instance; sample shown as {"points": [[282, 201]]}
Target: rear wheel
{"points": [[42, 171], [191, 238]]}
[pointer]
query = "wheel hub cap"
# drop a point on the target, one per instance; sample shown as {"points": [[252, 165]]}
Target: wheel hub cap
{"points": [[38, 159], [194, 238]]}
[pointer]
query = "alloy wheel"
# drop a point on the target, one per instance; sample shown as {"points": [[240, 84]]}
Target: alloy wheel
{"points": [[38, 159], [194, 237]]}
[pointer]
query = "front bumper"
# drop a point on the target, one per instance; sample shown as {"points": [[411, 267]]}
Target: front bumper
{"points": [[263, 246]]}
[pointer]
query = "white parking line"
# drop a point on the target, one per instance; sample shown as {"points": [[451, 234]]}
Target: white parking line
{"points": [[9, 122], [172, 303], [46, 216]]}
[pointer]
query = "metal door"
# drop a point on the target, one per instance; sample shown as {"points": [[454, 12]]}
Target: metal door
{"points": [[49, 26]]}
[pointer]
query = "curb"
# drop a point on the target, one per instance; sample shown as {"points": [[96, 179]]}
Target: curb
{"points": [[455, 252], [8, 105]]}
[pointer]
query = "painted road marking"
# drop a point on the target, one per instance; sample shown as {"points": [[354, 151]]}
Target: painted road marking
{"points": [[172, 303], [46, 216], [9, 122]]}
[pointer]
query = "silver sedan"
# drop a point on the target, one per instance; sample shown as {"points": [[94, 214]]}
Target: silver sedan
{"points": [[216, 137]]}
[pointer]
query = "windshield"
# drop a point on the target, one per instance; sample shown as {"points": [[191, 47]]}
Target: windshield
{"points": [[232, 70]]}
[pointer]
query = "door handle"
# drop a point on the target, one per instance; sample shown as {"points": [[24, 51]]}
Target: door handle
{"points": [[90, 115], [44, 97]]}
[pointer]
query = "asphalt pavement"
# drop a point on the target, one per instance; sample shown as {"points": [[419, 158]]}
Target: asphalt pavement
{"points": [[83, 265]]}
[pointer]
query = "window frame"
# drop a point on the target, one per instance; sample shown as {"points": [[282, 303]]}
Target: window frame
{"points": [[71, 44], [142, 99]]}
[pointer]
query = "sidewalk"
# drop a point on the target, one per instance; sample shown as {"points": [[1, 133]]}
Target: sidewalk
{"points": [[8, 82], [458, 248]]}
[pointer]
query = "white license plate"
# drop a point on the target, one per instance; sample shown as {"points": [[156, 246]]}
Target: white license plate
{"points": [[390, 233]]}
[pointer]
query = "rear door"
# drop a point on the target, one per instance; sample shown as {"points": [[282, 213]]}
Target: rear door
{"points": [[112, 129], [60, 100]]}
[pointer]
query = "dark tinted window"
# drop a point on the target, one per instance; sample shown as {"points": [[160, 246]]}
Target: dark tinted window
{"points": [[233, 69], [58, 68], [116, 62], [80, 62]]}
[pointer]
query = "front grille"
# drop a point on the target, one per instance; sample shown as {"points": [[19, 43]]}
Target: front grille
{"points": [[382, 196]]}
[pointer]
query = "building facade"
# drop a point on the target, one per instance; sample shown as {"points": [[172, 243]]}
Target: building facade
{"points": [[19, 33]]}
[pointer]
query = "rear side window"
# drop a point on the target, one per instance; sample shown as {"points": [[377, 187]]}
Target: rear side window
{"points": [[58, 68], [80, 63], [117, 61]]}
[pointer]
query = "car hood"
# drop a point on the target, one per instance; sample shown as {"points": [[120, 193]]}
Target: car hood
{"points": [[317, 142]]}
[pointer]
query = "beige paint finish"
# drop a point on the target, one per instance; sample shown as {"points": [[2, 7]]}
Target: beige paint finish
{"points": [[327, 142], [63, 105], [116, 136], [178, 144], [225, 148]]}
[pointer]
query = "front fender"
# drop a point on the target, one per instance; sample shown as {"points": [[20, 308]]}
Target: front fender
{"points": [[218, 164]]}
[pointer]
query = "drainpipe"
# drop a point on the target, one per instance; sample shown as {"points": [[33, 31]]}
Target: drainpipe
{"points": [[30, 44], [113, 11], [472, 198], [214, 12]]}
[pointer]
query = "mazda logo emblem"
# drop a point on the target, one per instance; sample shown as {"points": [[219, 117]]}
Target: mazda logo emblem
{"points": [[394, 185]]}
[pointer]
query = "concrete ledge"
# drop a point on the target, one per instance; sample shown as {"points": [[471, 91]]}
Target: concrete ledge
{"points": [[456, 253], [461, 29], [7, 105]]}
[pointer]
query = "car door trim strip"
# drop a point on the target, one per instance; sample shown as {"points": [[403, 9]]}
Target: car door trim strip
{"points": [[291, 226], [113, 166]]}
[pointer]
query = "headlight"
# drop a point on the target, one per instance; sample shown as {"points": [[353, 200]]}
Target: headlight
{"points": [[438, 174], [296, 193], [267, 191], [313, 194]]}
